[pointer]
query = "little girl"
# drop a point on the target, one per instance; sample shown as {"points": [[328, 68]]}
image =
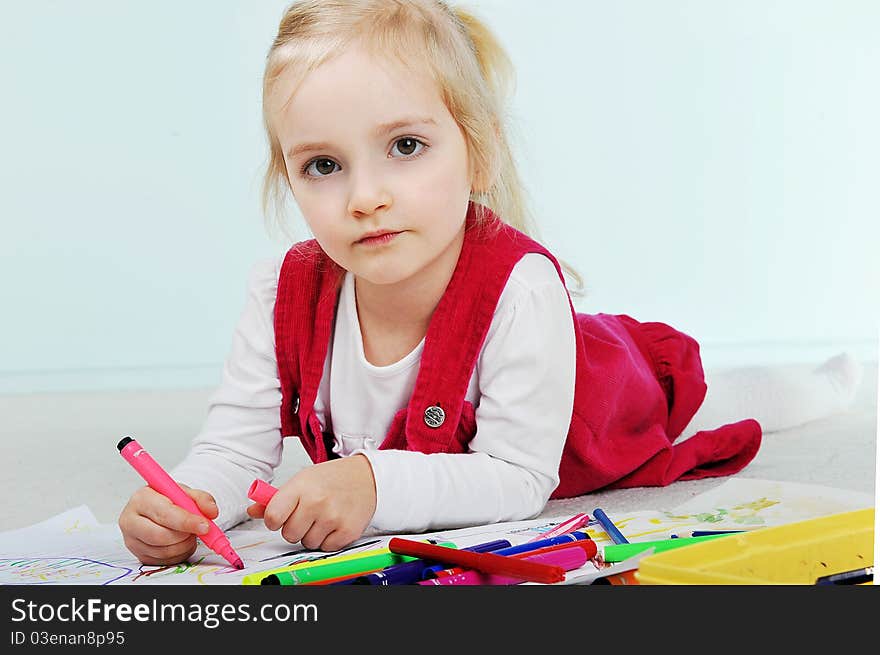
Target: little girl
{"points": [[423, 348]]}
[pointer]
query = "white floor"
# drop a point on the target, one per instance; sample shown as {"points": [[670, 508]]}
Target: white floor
{"points": [[58, 451]]}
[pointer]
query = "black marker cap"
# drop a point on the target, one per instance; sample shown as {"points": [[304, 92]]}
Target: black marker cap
{"points": [[124, 442]]}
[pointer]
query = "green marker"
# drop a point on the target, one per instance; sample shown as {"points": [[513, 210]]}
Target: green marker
{"points": [[621, 552], [329, 570]]}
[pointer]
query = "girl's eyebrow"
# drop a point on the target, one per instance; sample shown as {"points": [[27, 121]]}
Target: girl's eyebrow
{"points": [[383, 128]]}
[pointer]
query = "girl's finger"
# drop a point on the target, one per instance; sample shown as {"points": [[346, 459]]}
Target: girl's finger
{"points": [[316, 534], [279, 510], [166, 514], [205, 501], [162, 555], [299, 523], [335, 540], [149, 532], [256, 511]]}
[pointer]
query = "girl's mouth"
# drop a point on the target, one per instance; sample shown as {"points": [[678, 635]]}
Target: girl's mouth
{"points": [[378, 240]]}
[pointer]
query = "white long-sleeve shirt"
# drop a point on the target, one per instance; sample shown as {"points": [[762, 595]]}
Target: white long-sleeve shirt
{"points": [[522, 390]]}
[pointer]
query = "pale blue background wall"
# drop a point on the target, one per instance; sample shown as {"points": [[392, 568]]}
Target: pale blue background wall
{"points": [[712, 165]]}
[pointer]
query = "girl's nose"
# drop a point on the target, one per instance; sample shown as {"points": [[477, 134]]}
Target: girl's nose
{"points": [[368, 195]]}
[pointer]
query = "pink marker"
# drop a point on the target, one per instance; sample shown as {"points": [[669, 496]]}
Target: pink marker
{"points": [[573, 557], [261, 492], [156, 477], [572, 524]]}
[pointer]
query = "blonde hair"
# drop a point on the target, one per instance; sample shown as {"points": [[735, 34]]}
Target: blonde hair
{"points": [[472, 71]]}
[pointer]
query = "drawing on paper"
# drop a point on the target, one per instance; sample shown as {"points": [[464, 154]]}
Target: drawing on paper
{"points": [[60, 570], [44, 553]]}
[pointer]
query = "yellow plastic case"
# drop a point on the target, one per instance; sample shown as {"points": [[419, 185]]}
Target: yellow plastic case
{"points": [[796, 553]]}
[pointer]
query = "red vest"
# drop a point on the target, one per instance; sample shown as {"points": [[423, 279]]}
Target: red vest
{"points": [[637, 384]]}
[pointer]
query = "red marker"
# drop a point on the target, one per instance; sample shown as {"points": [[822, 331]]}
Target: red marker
{"points": [[156, 477], [485, 562], [587, 545]]}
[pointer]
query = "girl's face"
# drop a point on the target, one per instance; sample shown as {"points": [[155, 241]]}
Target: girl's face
{"points": [[371, 148]]}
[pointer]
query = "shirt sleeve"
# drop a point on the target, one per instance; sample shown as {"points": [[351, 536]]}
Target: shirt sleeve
{"points": [[240, 439], [526, 393]]}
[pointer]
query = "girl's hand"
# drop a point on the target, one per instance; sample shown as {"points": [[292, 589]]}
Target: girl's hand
{"points": [[325, 506], [157, 531]]}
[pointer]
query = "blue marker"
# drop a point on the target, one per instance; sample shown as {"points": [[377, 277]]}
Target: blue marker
{"points": [[431, 571], [856, 576], [609, 527], [397, 574], [703, 533]]}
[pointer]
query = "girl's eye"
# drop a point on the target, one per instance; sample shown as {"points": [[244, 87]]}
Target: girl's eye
{"points": [[319, 167], [408, 146], [322, 167]]}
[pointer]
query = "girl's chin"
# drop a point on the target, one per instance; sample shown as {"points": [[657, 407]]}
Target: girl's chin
{"points": [[381, 278], [385, 271]]}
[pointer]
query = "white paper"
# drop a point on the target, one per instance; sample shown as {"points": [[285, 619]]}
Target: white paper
{"points": [[73, 548]]}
